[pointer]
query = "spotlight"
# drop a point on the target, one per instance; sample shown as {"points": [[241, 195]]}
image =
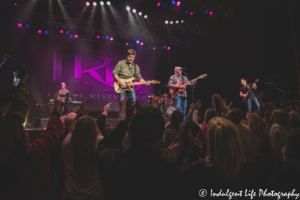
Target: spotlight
{"points": [[165, 47], [103, 37], [46, 32], [107, 37], [131, 45], [171, 22], [182, 21], [145, 16], [169, 48], [76, 36], [186, 12], [128, 8], [134, 10], [142, 43], [150, 47], [108, 3], [87, 3], [173, 2], [166, 21], [191, 13], [137, 41], [177, 22], [94, 4], [178, 3], [140, 13], [101, 3], [19, 25], [61, 31], [67, 32], [71, 36], [111, 39], [27, 25], [127, 44], [39, 31], [154, 48], [158, 4], [98, 36], [164, 5], [211, 13], [206, 11]]}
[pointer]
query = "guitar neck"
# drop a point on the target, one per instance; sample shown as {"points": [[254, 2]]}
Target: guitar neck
{"points": [[138, 83], [190, 81]]}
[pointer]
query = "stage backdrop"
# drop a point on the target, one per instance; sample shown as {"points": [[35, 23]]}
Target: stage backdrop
{"points": [[86, 68]]}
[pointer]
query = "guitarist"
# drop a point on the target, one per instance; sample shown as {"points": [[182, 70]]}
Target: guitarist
{"points": [[126, 69], [251, 95], [181, 98]]}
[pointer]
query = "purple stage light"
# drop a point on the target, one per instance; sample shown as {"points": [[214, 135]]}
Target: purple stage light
{"points": [[169, 48], [158, 4], [164, 5], [154, 48], [19, 25], [98, 36], [71, 36], [142, 43], [46, 32], [61, 31], [178, 3], [67, 32], [206, 11], [211, 13], [191, 13], [76, 36], [150, 47], [39, 31], [27, 25], [165, 47], [127, 44], [111, 39], [173, 2], [107, 37]]}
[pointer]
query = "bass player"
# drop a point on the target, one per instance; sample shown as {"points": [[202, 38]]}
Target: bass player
{"points": [[249, 88], [181, 97], [126, 69]]}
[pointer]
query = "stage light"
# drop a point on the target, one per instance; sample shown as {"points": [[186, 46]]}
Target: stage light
{"points": [[140, 13], [107, 37], [164, 5], [142, 43], [61, 31], [131, 45], [191, 13], [150, 47], [182, 21], [137, 41], [171, 22], [103, 37], [27, 25], [173, 2], [128, 8], [134, 10], [94, 4], [145, 16], [67, 32], [211, 13], [178, 3], [169, 48], [71, 36], [158, 4], [166, 21], [39, 31], [111, 39], [87, 3], [154, 48], [126, 44], [76, 36], [101, 3], [98, 36], [177, 22], [165, 47], [206, 11], [19, 25], [186, 12], [46, 32], [108, 3]]}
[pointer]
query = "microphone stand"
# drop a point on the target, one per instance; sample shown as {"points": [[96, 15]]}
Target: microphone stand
{"points": [[283, 93], [191, 85]]}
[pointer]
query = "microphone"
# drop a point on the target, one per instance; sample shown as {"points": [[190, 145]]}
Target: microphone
{"points": [[183, 68]]}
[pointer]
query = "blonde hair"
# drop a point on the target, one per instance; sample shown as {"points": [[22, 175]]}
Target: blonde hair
{"points": [[225, 149], [256, 124]]}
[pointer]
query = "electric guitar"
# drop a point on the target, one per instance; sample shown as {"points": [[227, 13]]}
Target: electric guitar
{"points": [[129, 84], [244, 98], [175, 91]]}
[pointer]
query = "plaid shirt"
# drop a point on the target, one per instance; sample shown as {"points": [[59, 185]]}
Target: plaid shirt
{"points": [[175, 80]]}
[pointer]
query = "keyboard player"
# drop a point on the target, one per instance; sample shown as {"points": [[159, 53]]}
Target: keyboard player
{"points": [[64, 90]]}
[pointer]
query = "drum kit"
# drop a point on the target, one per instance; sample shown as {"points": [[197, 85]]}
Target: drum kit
{"points": [[167, 105]]}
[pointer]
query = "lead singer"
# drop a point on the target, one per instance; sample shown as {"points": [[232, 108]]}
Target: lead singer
{"points": [[181, 97]]}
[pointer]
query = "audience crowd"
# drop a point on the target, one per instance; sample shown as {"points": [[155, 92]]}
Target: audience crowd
{"points": [[78, 157]]}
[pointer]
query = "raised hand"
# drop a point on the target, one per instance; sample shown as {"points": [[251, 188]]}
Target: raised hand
{"points": [[84, 107], [129, 110], [218, 97], [213, 104], [260, 95], [229, 106], [107, 108], [197, 105], [58, 103], [192, 107], [194, 141]]}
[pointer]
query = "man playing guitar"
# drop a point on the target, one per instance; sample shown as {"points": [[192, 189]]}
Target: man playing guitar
{"points": [[181, 98], [248, 95]]}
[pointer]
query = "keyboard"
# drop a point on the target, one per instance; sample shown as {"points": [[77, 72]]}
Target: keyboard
{"points": [[51, 101]]}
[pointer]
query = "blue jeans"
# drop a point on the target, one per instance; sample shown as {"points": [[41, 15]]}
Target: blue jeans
{"points": [[181, 103], [129, 94], [249, 102]]}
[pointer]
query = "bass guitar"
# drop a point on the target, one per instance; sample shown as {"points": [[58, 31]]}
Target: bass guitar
{"points": [[129, 84], [244, 98], [175, 91]]}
